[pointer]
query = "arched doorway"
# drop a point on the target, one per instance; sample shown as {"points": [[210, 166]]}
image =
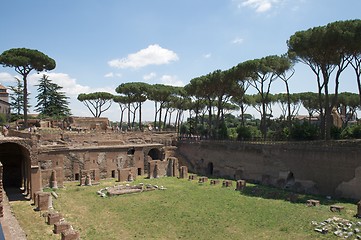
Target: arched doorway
{"points": [[210, 169], [153, 154], [290, 180], [16, 166]]}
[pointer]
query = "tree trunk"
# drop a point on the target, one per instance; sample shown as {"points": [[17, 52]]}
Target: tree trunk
{"points": [[25, 107], [263, 122], [165, 119], [160, 117], [289, 120], [128, 116], [140, 117]]}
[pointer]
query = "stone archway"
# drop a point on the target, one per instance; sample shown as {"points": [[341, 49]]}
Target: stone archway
{"points": [[16, 162], [153, 154]]}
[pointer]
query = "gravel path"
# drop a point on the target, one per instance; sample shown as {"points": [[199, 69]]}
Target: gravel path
{"points": [[10, 224]]}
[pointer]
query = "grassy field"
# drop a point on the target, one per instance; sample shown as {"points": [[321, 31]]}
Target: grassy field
{"points": [[185, 210]]}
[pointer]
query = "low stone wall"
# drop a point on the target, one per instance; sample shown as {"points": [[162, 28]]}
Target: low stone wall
{"points": [[314, 167]]}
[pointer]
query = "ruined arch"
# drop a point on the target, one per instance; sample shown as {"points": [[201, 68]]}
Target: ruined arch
{"points": [[16, 161], [155, 154], [152, 154]]}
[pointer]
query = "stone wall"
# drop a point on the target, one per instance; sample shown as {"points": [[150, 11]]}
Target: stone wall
{"points": [[313, 167], [67, 163], [88, 123]]}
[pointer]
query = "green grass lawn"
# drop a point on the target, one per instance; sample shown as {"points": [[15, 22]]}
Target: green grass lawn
{"points": [[185, 210]]}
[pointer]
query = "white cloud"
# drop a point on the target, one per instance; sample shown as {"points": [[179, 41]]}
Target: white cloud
{"points": [[208, 55], [149, 76], [259, 5], [70, 86], [237, 40], [152, 55], [6, 77], [111, 75], [171, 80]]}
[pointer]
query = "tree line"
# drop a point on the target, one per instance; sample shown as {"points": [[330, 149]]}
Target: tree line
{"points": [[327, 50]]}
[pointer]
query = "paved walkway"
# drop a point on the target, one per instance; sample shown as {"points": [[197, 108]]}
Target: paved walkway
{"points": [[10, 224]]}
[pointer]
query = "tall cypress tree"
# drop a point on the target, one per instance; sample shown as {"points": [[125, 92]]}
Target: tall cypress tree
{"points": [[51, 101]]}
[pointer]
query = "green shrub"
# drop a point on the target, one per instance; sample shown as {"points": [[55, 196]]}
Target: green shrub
{"points": [[2, 118], [244, 133], [336, 132], [232, 133], [279, 134], [350, 132], [304, 131]]}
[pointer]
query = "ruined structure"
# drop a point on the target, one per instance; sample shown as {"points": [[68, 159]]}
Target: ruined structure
{"points": [[326, 168], [49, 157], [4, 101]]}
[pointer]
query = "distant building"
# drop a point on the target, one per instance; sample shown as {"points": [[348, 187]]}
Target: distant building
{"points": [[4, 101]]}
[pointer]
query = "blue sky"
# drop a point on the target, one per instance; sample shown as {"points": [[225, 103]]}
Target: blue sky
{"points": [[98, 45]]}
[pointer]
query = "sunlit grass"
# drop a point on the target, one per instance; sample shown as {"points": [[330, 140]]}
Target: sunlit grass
{"points": [[188, 210]]}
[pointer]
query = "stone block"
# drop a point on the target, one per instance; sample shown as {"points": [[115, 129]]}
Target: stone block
{"points": [[313, 203], [202, 179], [215, 181], [70, 234], [183, 172], [192, 177], [60, 227], [172, 168], [241, 184], [53, 218], [44, 201], [336, 208], [226, 183], [358, 214]]}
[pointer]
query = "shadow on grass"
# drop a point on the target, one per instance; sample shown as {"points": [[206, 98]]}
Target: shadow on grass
{"points": [[267, 192]]}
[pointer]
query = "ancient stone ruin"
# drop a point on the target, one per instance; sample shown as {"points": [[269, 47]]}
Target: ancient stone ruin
{"points": [[127, 189]]}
